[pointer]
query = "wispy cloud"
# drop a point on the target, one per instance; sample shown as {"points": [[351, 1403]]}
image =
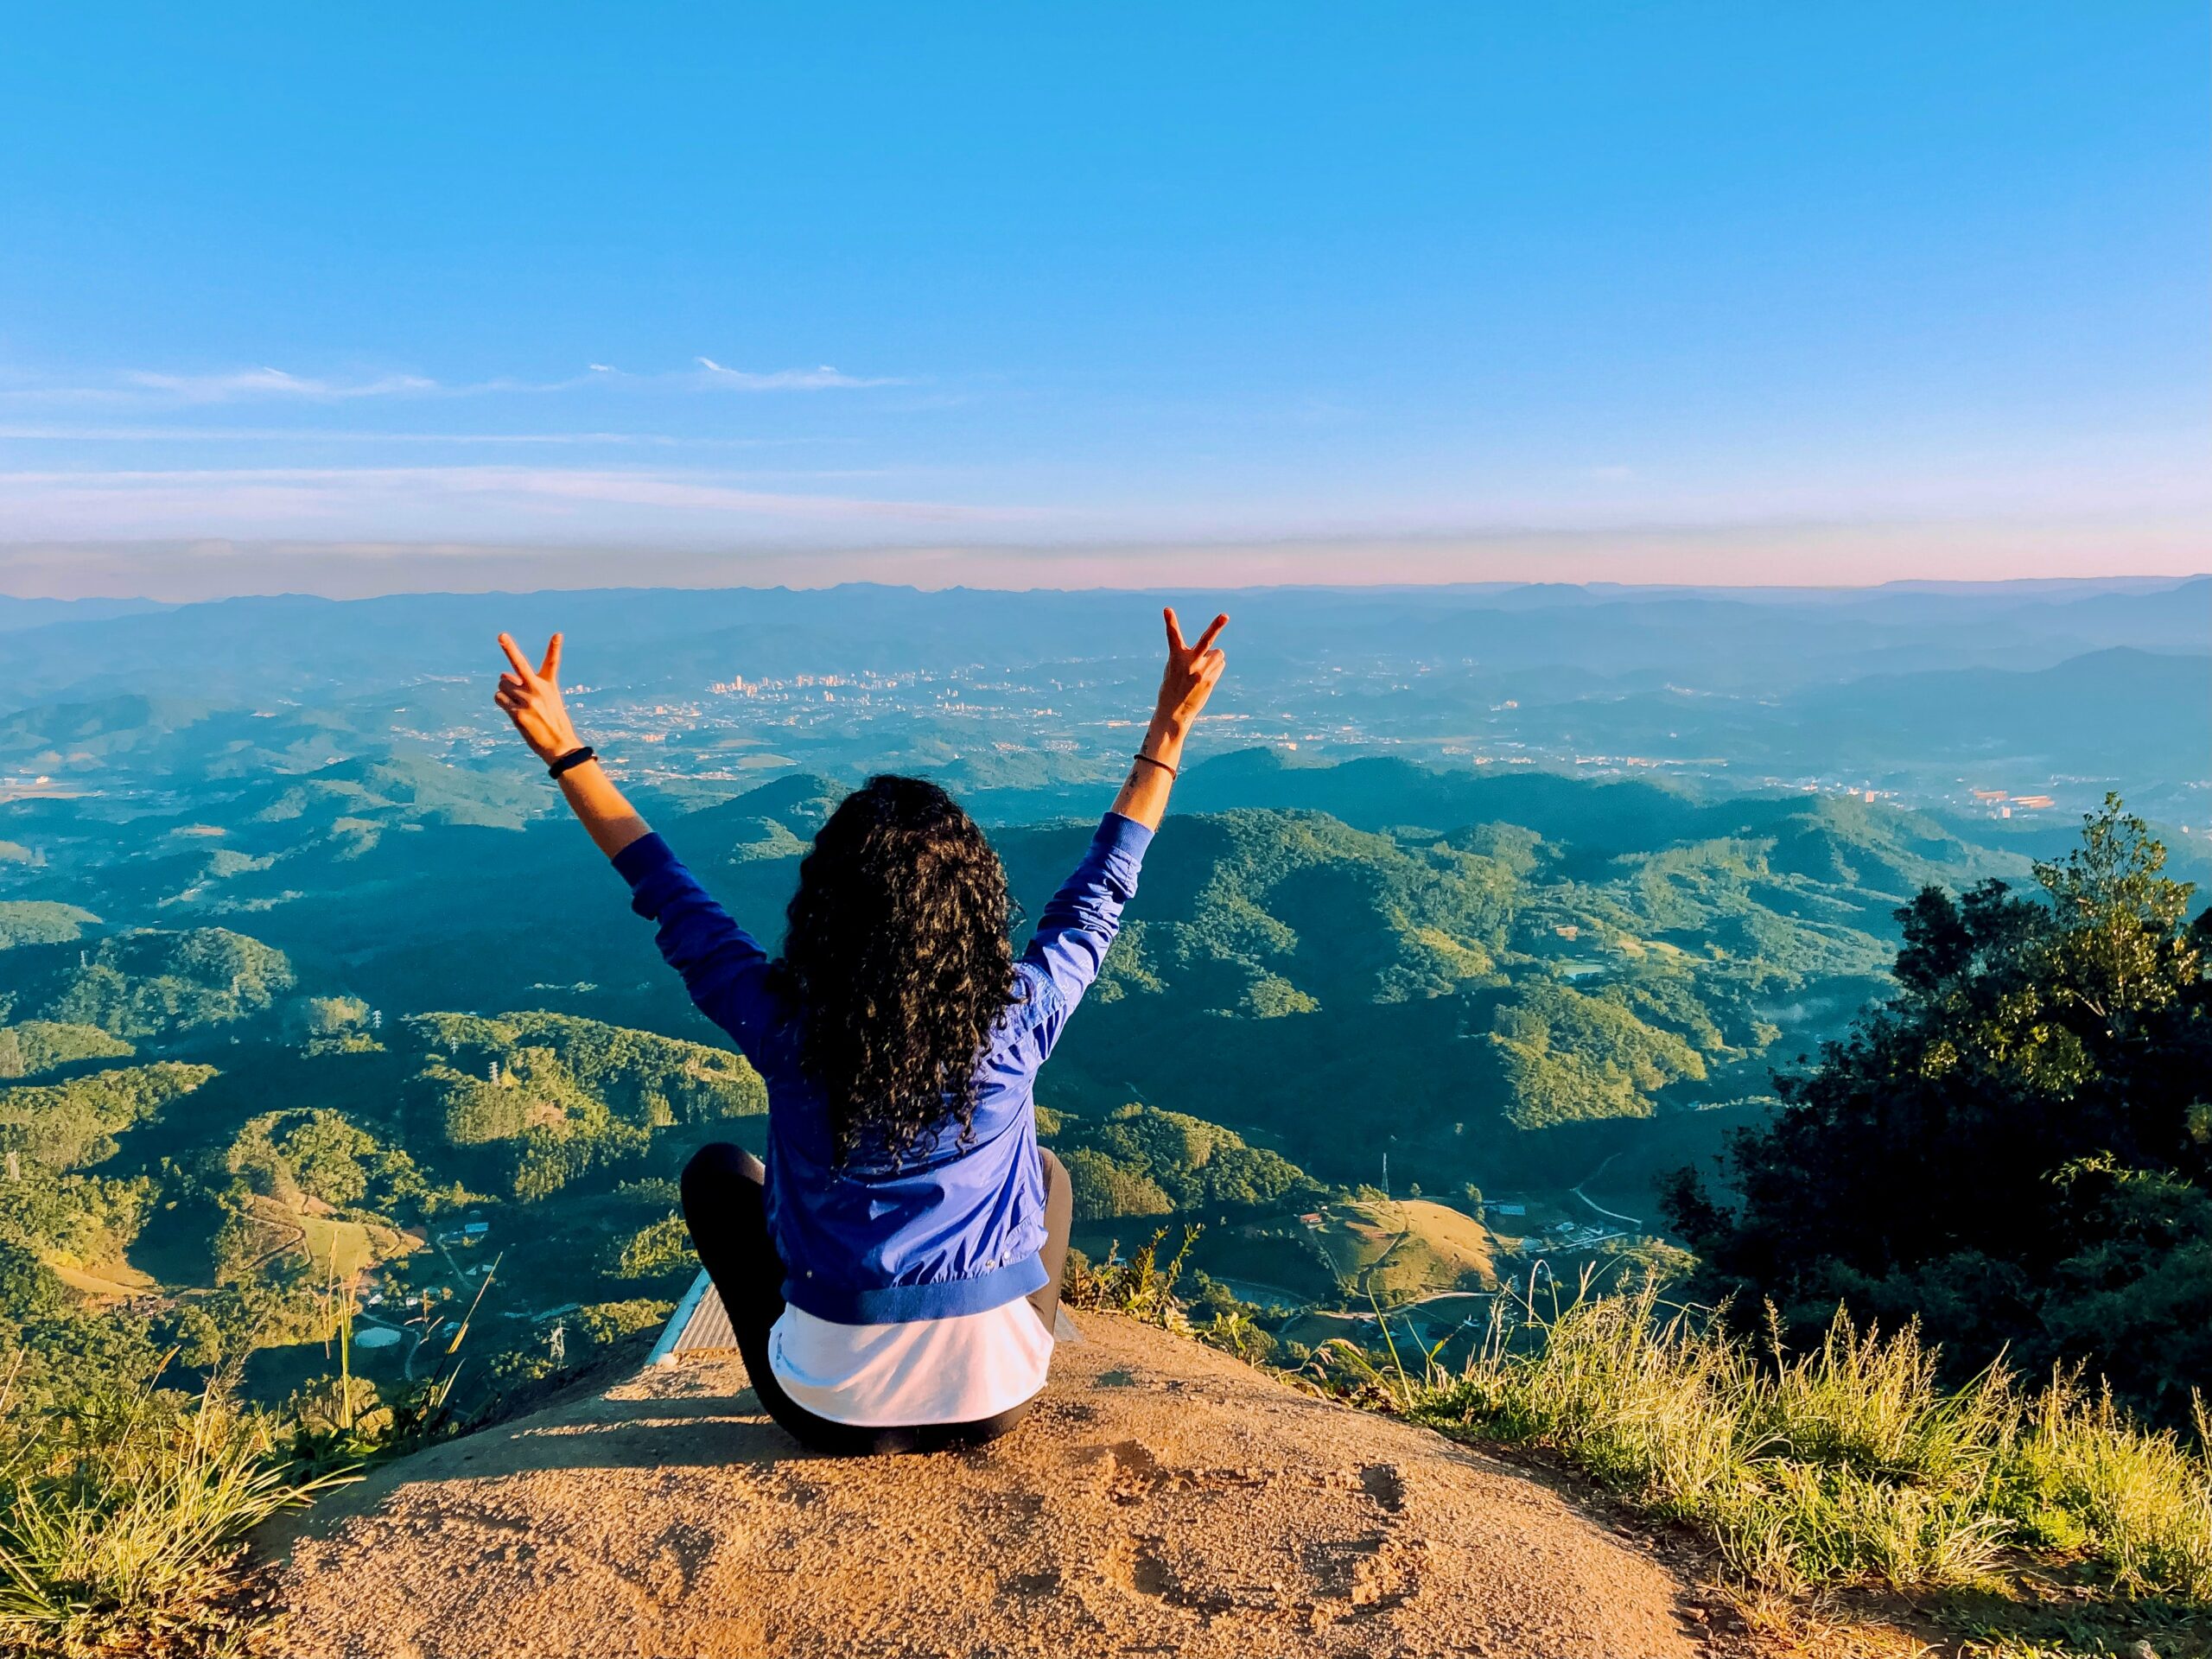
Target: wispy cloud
{"points": [[818, 379], [352, 501], [272, 382], [49, 432], [144, 388]]}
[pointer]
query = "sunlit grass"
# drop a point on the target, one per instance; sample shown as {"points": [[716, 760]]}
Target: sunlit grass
{"points": [[1850, 1465], [122, 1522], [2085, 1477]]}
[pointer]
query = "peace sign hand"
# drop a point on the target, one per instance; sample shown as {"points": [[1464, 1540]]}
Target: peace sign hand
{"points": [[1192, 674], [532, 700]]}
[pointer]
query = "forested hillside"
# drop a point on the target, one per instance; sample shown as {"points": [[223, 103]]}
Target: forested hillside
{"points": [[366, 1026]]}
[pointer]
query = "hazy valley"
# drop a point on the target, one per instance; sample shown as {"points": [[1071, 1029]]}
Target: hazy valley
{"points": [[306, 982]]}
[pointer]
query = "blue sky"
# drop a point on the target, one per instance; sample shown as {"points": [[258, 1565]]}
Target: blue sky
{"points": [[1069, 293]]}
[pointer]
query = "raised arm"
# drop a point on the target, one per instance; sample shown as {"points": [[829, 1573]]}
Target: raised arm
{"points": [[1078, 927], [1192, 672], [532, 698], [723, 967]]}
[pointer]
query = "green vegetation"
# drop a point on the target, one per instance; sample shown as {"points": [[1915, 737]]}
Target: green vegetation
{"points": [[1848, 1465], [84, 1220], [550, 1097], [1426, 920], [37, 921], [1563, 1056], [122, 1521], [144, 984], [2016, 1150], [40, 1046], [1470, 986], [334, 1025], [315, 1154], [1143, 1286], [64, 1125], [1142, 1161]]}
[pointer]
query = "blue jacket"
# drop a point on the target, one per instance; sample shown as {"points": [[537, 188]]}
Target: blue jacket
{"points": [[953, 1230]]}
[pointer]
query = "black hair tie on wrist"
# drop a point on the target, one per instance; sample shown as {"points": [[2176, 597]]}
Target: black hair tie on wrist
{"points": [[1162, 765], [573, 758]]}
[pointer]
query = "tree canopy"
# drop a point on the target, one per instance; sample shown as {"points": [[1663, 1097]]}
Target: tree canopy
{"points": [[2016, 1148]]}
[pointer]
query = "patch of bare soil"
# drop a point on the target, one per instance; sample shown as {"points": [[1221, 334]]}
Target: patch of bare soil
{"points": [[1161, 1499]]}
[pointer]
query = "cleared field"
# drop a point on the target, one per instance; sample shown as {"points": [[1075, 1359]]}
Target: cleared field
{"points": [[1404, 1248], [114, 1281], [343, 1248], [330, 1243]]}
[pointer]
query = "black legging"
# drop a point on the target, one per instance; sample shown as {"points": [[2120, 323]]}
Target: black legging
{"points": [[723, 1206]]}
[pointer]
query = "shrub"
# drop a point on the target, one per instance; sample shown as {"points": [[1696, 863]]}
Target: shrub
{"points": [[1141, 1287]]}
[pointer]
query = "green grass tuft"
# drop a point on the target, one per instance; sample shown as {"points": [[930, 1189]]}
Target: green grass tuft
{"points": [[1851, 1465], [122, 1522]]}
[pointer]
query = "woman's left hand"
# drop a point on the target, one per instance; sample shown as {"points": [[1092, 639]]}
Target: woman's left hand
{"points": [[1191, 673], [532, 700]]}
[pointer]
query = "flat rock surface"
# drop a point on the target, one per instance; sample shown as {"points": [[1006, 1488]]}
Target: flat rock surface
{"points": [[1161, 1499]]}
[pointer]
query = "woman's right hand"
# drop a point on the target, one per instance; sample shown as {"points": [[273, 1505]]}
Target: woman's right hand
{"points": [[532, 700], [1192, 672]]}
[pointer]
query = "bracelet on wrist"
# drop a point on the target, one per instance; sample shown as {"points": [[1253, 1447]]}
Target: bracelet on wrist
{"points": [[569, 761], [1154, 760]]}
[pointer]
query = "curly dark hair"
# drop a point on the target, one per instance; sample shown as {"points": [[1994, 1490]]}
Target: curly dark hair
{"points": [[898, 960]]}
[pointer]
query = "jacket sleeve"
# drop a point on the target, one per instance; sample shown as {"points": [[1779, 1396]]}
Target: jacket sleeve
{"points": [[1078, 928], [723, 967]]}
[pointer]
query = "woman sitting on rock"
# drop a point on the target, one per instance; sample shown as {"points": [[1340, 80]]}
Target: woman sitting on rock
{"points": [[893, 1272]]}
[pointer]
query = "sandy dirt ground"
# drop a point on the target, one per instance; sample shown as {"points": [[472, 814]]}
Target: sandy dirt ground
{"points": [[1161, 1499]]}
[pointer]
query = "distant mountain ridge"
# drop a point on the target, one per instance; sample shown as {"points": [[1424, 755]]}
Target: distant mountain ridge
{"points": [[246, 648], [17, 614]]}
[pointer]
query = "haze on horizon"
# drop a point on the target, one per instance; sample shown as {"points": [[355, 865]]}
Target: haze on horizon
{"points": [[329, 304]]}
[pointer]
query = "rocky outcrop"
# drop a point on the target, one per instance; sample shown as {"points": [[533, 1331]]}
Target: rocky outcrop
{"points": [[1162, 1499]]}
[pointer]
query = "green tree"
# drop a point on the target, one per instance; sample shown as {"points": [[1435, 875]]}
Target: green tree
{"points": [[1104, 1189], [2015, 1149], [325, 1153], [655, 1251], [29, 1289]]}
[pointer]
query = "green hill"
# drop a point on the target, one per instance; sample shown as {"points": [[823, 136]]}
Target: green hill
{"points": [[1467, 984], [1142, 1161], [1501, 982], [548, 1098], [41, 922], [63, 1125], [1394, 1251], [40, 1045], [147, 983]]}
